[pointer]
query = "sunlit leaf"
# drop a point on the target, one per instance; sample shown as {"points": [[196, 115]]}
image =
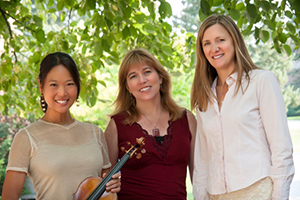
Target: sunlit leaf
{"points": [[264, 35], [287, 49], [240, 6], [40, 36], [167, 50], [149, 28]]}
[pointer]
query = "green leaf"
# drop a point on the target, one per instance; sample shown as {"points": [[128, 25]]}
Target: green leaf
{"points": [[165, 10], [52, 10], [289, 14], [295, 38], [133, 31], [151, 9], [98, 48], [167, 26], [91, 4], [125, 32], [167, 50], [6, 69], [283, 37], [287, 49], [205, 7], [73, 39], [65, 45], [276, 45], [149, 28], [240, 6], [271, 24], [139, 18], [264, 5], [234, 14], [264, 35], [73, 23], [105, 45], [217, 3], [291, 27], [70, 2], [38, 21], [60, 5], [283, 4], [202, 16], [251, 10], [40, 36]]}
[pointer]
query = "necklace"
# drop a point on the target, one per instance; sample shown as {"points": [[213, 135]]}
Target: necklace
{"points": [[155, 130]]}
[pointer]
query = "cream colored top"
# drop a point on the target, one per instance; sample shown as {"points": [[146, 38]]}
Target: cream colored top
{"points": [[57, 158], [247, 140]]}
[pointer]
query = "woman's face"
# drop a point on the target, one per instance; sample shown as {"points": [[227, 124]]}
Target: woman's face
{"points": [[59, 90], [218, 48], [143, 82]]}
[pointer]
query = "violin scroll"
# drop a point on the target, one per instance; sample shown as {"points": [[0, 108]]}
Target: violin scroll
{"points": [[134, 148]]}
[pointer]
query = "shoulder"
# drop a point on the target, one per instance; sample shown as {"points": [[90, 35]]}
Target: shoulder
{"points": [[189, 114], [191, 118], [262, 74], [120, 116], [31, 129]]}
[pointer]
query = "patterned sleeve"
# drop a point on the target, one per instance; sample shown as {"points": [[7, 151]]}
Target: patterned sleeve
{"points": [[20, 152]]}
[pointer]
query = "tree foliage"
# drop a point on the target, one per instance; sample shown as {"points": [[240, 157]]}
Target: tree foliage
{"points": [[265, 19], [96, 33]]}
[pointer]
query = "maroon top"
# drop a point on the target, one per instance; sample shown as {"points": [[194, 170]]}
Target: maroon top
{"points": [[161, 172]]}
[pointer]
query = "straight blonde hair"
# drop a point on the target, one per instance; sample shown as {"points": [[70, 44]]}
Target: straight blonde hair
{"points": [[205, 73]]}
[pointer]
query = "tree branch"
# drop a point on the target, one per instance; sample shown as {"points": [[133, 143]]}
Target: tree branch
{"points": [[69, 19], [9, 29], [5, 13]]}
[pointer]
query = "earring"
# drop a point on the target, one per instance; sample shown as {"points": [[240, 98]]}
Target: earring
{"points": [[161, 87], [77, 102], [43, 103]]}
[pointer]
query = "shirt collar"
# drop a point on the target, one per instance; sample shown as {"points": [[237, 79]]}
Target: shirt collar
{"points": [[230, 80]]}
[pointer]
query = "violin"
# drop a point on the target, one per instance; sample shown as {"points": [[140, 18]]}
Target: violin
{"points": [[94, 188]]}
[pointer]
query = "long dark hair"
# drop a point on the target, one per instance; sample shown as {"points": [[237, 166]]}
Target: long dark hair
{"points": [[59, 58]]}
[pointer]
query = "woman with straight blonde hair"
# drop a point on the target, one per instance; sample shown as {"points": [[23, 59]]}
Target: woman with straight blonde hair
{"points": [[243, 147], [145, 108]]}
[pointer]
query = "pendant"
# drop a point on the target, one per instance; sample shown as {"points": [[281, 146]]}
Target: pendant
{"points": [[155, 132]]}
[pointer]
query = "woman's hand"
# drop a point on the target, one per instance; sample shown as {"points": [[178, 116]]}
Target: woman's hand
{"points": [[114, 185]]}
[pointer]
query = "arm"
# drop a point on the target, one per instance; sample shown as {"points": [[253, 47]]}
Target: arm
{"points": [[111, 136], [13, 185], [192, 126], [273, 115], [200, 175]]}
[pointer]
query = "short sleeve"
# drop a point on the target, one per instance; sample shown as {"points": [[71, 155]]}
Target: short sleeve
{"points": [[20, 152]]}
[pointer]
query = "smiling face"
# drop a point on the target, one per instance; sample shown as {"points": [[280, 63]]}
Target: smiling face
{"points": [[218, 48], [143, 82], [59, 90]]}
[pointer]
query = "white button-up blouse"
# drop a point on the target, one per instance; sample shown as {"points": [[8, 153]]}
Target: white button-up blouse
{"points": [[247, 140]]}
